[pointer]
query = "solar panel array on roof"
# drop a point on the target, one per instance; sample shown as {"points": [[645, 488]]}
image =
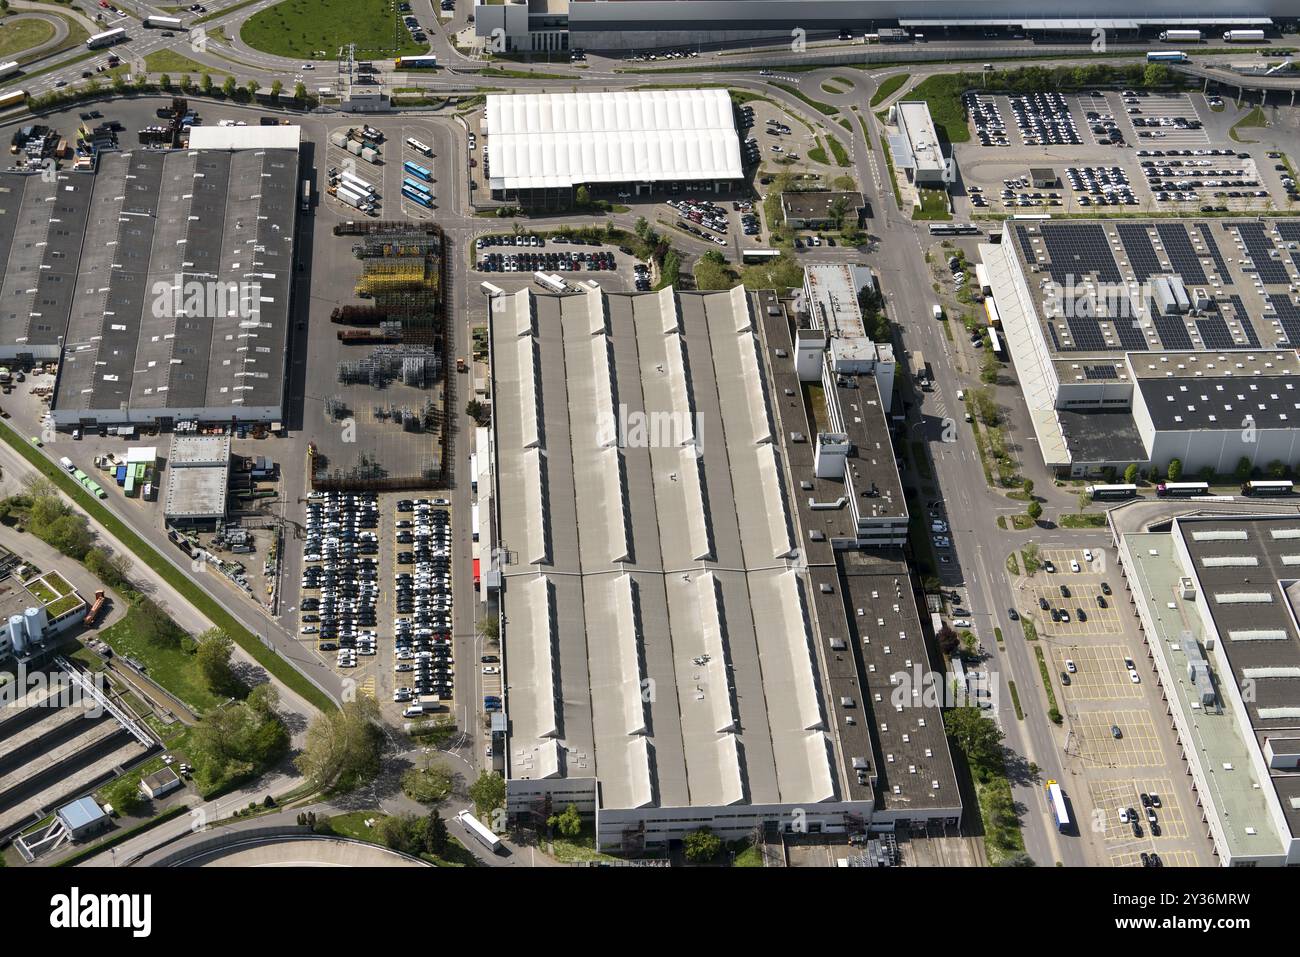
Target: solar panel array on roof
{"points": [[1258, 247], [1216, 335], [1239, 313], [1079, 249], [1141, 254], [1025, 243], [1288, 316], [1086, 334], [1183, 257], [1130, 334], [1172, 331], [1290, 231], [1213, 249], [1100, 372]]}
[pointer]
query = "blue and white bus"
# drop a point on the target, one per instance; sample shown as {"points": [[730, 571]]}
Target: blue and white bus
{"points": [[419, 187], [418, 171], [416, 197], [1167, 56]]}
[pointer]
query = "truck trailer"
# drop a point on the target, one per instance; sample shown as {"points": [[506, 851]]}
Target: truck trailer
{"points": [[1180, 36], [1243, 36]]}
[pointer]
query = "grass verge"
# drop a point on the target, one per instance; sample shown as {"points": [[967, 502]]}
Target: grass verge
{"points": [[304, 28], [1053, 712], [823, 108], [888, 87], [1075, 520], [1015, 701]]}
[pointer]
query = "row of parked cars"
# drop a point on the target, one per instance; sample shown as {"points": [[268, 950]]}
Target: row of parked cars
{"points": [[1044, 120], [533, 261], [340, 587], [423, 602]]}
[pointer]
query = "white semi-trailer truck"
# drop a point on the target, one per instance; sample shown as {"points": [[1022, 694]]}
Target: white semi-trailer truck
{"points": [[1243, 36]]}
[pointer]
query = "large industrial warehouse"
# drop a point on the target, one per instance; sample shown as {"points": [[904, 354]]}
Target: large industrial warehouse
{"points": [[546, 25], [1217, 600], [544, 145], [173, 300], [674, 659], [1144, 342]]}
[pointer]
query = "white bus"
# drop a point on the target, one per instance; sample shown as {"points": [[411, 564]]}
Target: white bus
{"points": [[550, 283], [481, 833], [162, 23], [107, 38], [995, 343], [759, 255], [1056, 798], [1106, 492], [419, 147]]}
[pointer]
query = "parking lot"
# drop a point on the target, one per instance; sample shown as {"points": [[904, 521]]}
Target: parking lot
{"points": [[1128, 150], [1136, 747], [398, 179], [1104, 683], [1100, 672]]}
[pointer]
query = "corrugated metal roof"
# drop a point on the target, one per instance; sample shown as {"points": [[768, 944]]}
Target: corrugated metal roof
{"points": [[245, 137], [541, 140]]}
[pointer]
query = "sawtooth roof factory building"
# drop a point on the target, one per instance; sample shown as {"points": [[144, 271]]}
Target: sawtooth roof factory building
{"points": [[163, 279], [1144, 342], [677, 561]]}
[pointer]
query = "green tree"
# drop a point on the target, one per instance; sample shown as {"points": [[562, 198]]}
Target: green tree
{"points": [[251, 87], [1276, 469], [228, 87], [213, 660], [1243, 470], [342, 747], [979, 738], [264, 700], [436, 838], [1131, 474], [568, 822], [489, 626], [300, 91], [488, 792], [582, 198], [1175, 470], [124, 794], [404, 833], [1028, 486], [1084, 499], [641, 228], [277, 87], [165, 81], [1034, 511], [205, 83], [187, 83], [702, 846]]}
